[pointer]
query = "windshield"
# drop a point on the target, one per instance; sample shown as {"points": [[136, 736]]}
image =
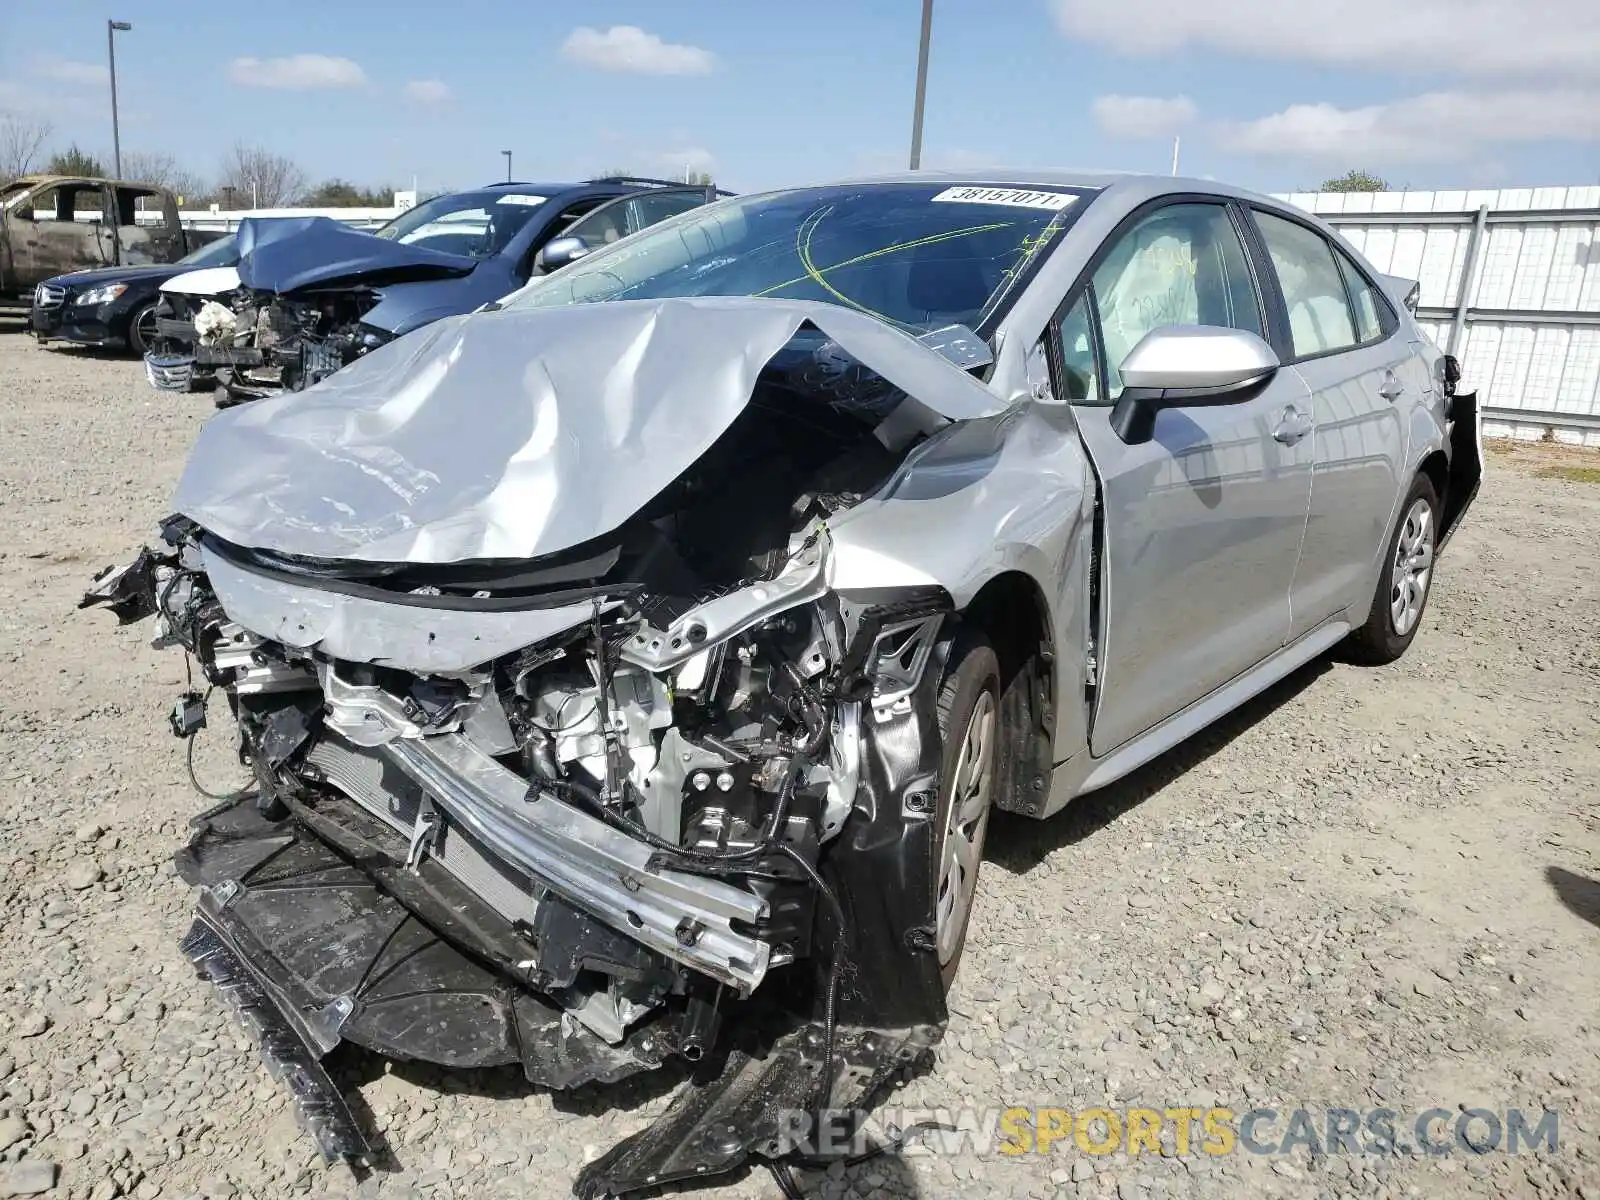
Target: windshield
{"points": [[224, 252], [475, 224], [916, 255]]}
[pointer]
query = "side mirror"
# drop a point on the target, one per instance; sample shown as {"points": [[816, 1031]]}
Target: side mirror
{"points": [[1188, 366], [560, 252]]}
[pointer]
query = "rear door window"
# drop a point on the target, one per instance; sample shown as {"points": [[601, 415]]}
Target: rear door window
{"points": [[1320, 319], [650, 208], [1369, 307]]}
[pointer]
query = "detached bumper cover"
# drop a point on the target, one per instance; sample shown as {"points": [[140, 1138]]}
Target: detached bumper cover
{"points": [[291, 1060], [1466, 461]]}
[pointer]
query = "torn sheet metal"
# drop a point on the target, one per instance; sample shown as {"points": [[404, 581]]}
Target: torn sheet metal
{"points": [[514, 434], [282, 254]]}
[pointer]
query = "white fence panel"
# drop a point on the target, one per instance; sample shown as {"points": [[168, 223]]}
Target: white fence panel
{"points": [[1510, 284]]}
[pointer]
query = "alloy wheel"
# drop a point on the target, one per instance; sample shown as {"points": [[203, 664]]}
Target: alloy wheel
{"points": [[1413, 567], [966, 820]]}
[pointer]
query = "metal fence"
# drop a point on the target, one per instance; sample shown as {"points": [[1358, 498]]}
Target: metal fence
{"points": [[1510, 285]]}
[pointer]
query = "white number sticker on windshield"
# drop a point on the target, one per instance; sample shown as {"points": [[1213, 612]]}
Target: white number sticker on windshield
{"points": [[515, 199], [1011, 197]]}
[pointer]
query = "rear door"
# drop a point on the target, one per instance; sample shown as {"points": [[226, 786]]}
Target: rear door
{"points": [[1343, 338], [147, 226], [1202, 523]]}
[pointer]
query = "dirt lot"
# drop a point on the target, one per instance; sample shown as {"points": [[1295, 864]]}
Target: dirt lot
{"points": [[1373, 888]]}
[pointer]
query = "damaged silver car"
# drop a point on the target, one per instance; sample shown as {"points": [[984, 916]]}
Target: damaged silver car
{"points": [[630, 672]]}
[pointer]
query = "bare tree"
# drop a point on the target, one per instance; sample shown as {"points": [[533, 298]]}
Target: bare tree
{"points": [[260, 179], [163, 170], [21, 139]]}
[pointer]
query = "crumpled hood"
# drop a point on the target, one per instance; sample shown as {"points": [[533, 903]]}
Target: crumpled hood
{"points": [[284, 254], [518, 433]]}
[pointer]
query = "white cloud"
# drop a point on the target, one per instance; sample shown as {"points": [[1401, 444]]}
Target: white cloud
{"points": [[629, 48], [1436, 127], [1535, 37], [1143, 116], [427, 91], [48, 66], [298, 72]]}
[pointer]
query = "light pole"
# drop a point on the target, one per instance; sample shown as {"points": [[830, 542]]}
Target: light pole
{"points": [[507, 153], [112, 28], [922, 85]]}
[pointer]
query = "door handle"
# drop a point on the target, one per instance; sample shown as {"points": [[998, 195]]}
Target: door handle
{"points": [[1391, 388], [1292, 426]]}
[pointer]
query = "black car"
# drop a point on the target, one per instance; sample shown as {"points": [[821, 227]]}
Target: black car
{"points": [[115, 306]]}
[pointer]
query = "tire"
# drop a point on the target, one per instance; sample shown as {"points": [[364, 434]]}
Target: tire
{"points": [[969, 726], [140, 328], [1405, 581]]}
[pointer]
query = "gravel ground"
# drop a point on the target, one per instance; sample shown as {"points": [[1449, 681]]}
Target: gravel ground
{"points": [[1371, 887]]}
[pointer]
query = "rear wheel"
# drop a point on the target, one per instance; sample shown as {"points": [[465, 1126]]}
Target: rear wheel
{"points": [[1404, 582], [969, 723]]}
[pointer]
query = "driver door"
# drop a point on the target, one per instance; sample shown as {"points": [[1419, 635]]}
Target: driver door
{"points": [[47, 238], [1203, 522], [628, 214]]}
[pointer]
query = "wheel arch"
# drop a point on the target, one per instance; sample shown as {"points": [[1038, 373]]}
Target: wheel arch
{"points": [[1010, 610], [1437, 469]]}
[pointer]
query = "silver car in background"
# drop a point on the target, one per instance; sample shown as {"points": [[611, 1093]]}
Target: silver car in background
{"points": [[661, 640]]}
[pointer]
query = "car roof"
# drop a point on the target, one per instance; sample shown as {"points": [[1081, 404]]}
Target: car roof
{"points": [[521, 185], [58, 180], [611, 187], [1131, 186], [1000, 177]]}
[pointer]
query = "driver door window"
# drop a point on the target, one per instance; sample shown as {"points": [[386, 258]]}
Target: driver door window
{"points": [[1180, 265], [576, 220], [1320, 321], [606, 224]]}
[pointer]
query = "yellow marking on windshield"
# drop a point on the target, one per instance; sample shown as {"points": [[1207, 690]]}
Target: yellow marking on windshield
{"points": [[802, 247], [815, 274]]}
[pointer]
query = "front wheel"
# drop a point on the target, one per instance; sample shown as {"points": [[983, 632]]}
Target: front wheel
{"points": [[142, 329], [1404, 583], [969, 723]]}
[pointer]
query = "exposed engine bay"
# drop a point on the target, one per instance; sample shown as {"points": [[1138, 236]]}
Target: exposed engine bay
{"points": [[665, 793], [250, 343]]}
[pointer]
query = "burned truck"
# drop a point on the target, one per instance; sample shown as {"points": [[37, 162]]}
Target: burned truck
{"points": [[54, 224]]}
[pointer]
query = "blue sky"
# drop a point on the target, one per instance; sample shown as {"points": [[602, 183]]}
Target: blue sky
{"points": [[1271, 94]]}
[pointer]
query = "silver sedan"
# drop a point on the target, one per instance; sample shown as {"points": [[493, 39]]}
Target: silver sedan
{"points": [[661, 640]]}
